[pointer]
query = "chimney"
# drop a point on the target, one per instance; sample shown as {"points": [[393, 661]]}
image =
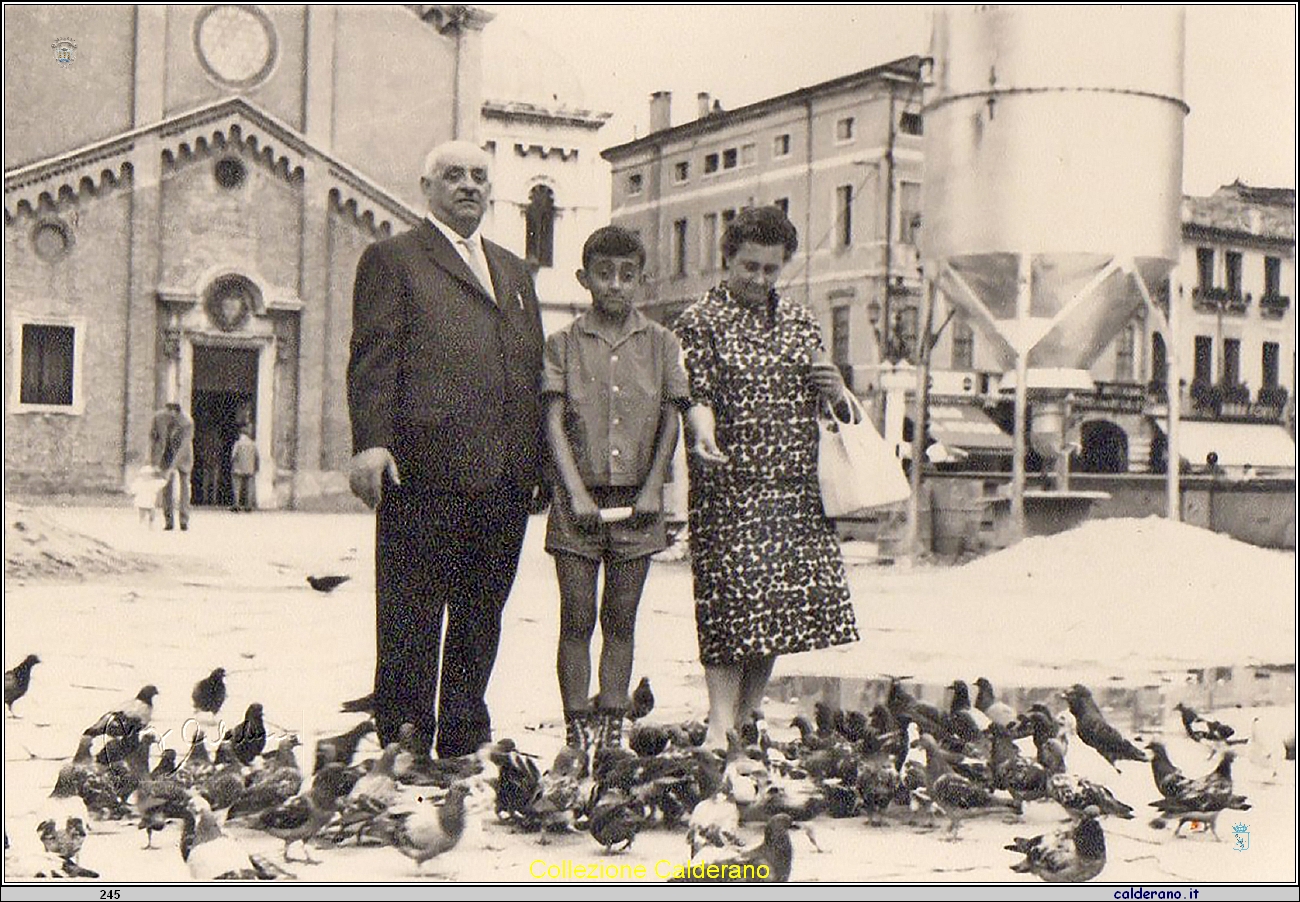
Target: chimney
{"points": [[661, 111], [705, 105]]}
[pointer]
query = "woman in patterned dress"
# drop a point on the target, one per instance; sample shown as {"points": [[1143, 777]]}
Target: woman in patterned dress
{"points": [[769, 578]]}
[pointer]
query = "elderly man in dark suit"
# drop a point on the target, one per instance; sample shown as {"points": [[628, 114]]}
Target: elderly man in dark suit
{"points": [[447, 435]]}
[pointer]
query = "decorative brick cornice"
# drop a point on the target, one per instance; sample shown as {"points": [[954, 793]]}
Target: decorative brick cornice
{"points": [[207, 131]]}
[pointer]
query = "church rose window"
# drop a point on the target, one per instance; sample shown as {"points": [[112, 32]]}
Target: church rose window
{"points": [[235, 44]]}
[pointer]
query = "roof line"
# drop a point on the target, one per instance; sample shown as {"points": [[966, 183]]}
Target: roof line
{"points": [[906, 68]]}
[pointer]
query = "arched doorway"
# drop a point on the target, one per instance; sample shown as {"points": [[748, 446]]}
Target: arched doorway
{"points": [[1103, 448]]}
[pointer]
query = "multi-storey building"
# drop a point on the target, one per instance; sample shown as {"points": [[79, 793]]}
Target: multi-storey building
{"points": [[843, 158]]}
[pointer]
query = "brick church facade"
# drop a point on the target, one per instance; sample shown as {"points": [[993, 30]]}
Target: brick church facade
{"points": [[187, 191]]}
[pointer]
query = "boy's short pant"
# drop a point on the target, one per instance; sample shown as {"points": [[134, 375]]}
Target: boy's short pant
{"points": [[613, 543]]}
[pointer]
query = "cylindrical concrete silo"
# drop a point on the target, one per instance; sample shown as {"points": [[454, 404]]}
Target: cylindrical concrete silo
{"points": [[1053, 182], [1053, 133]]}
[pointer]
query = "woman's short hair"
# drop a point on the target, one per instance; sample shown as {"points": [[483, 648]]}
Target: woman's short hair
{"points": [[768, 226]]}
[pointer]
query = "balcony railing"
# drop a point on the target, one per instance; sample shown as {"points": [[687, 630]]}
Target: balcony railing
{"points": [[1234, 401], [1274, 306], [1219, 300]]}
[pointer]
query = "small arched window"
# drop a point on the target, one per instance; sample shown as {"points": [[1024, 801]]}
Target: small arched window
{"points": [[539, 239]]}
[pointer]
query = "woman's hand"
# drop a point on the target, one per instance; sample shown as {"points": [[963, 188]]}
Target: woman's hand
{"points": [[649, 501], [827, 379], [700, 425]]}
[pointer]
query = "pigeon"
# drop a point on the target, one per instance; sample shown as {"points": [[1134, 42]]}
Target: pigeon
{"points": [[363, 705], [1200, 729], [1049, 746], [1095, 731], [122, 726], [518, 779], [615, 819], [302, 817], [214, 855], [1075, 854], [248, 737], [372, 795], [427, 832], [968, 723], [647, 739], [326, 583], [957, 796], [714, 822], [18, 680], [1204, 800], [76, 783], [278, 782], [344, 745], [559, 795], [1076, 795], [998, 712], [768, 862], [1023, 778], [1169, 779], [65, 842], [210, 692], [643, 700]]}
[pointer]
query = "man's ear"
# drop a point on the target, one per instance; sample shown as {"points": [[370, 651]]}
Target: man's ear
{"points": [[581, 276]]}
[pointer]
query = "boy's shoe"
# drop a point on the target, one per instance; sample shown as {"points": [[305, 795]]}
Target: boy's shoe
{"points": [[580, 729], [609, 730]]}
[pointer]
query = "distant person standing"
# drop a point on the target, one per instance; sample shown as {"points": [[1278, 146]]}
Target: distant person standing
{"points": [[171, 445], [243, 467]]}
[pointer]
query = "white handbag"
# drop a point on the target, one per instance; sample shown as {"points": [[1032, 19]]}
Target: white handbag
{"points": [[856, 468]]}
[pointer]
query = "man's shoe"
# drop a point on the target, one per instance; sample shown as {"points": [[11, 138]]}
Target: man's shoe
{"points": [[168, 526]]}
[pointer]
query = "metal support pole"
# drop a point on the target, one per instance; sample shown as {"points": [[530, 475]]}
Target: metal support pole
{"points": [[920, 417], [1174, 391], [1024, 287]]}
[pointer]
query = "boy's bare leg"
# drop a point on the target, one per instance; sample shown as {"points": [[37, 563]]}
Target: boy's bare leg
{"points": [[577, 578], [624, 583]]}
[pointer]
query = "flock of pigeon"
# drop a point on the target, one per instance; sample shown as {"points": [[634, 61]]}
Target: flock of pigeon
{"points": [[905, 760]]}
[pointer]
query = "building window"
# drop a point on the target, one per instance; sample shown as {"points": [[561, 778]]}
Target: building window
{"points": [[747, 155], [710, 162], [681, 172], [963, 345], [1205, 268], [1232, 264], [909, 212], [783, 204], [229, 173], [51, 239], [911, 124], [840, 336], [539, 238], [844, 129], [679, 247], [1268, 364], [709, 242], [729, 158], [1124, 351], [844, 215], [634, 184], [781, 146], [1203, 361], [49, 357], [1231, 361], [1272, 275], [1159, 359]]}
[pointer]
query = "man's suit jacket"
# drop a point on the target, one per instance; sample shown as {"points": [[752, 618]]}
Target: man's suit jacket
{"points": [[441, 374], [171, 441]]}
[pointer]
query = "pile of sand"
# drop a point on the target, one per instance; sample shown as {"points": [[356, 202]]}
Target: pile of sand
{"points": [[1146, 588], [38, 548]]}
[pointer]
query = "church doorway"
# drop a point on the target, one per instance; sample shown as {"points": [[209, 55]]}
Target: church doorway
{"points": [[223, 401]]}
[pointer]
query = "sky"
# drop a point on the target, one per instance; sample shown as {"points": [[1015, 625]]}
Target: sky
{"points": [[1240, 75]]}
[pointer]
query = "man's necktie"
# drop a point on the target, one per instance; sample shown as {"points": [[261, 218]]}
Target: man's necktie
{"points": [[475, 261]]}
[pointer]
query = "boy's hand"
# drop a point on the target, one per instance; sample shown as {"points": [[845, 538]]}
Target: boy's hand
{"points": [[705, 447], [649, 502], [585, 512]]}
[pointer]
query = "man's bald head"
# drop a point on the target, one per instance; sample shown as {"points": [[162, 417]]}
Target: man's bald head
{"points": [[457, 183]]}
